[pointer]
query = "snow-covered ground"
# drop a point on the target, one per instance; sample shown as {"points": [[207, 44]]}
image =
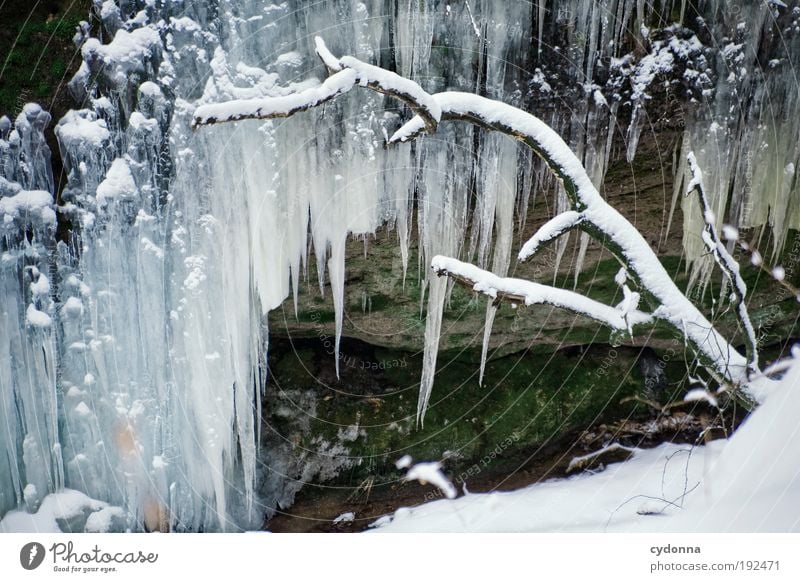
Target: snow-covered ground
{"points": [[750, 483], [67, 510]]}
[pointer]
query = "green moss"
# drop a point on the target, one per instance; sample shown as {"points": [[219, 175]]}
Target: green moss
{"points": [[58, 67], [316, 316], [43, 89], [39, 53], [526, 400], [379, 302]]}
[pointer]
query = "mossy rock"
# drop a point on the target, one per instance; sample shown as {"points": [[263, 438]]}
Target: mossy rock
{"points": [[368, 414]]}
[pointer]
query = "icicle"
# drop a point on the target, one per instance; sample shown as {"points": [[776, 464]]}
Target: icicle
{"points": [[542, 5], [561, 247], [678, 180], [336, 271], [527, 195], [491, 311], [400, 184], [749, 155], [433, 326], [501, 187], [585, 239], [634, 131], [562, 204], [31, 466]]}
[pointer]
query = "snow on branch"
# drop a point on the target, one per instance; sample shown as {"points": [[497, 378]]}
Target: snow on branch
{"points": [[519, 291], [599, 218], [584, 461], [330, 61], [519, 124], [725, 261], [431, 473], [272, 107], [347, 71], [421, 103], [550, 231]]}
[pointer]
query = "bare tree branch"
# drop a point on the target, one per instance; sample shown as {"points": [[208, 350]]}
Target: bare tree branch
{"points": [[331, 62], [347, 72], [599, 219]]}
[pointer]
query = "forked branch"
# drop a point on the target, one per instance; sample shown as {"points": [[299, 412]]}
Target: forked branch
{"points": [[590, 212]]}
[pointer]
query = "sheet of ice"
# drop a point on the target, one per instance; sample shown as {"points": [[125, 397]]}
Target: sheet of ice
{"points": [[31, 465], [128, 53], [192, 262], [118, 182], [87, 129], [36, 203]]}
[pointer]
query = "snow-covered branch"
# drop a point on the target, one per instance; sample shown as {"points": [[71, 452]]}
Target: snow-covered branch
{"points": [[427, 473], [522, 292], [598, 218], [550, 231], [347, 72], [498, 116], [777, 273], [273, 107], [421, 103], [601, 220], [331, 62], [726, 262]]}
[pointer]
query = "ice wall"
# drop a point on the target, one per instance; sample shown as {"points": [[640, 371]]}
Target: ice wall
{"points": [[722, 70], [31, 465], [180, 241]]}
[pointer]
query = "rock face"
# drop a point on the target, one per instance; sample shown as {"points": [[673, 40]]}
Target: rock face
{"points": [[140, 313]]}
